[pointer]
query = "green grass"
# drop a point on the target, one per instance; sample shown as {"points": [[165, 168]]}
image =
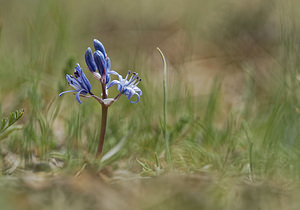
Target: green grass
{"points": [[231, 112]]}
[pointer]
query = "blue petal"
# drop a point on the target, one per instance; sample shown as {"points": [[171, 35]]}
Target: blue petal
{"points": [[68, 91], [89, 59], [137, 100], [107, 78], [99, 46], [77, 71], [82, 79], [114, 82], [129, 92], [86, 82], [78, 74], [138, 90], [120, 87], [77, 96], [108, 64], [114, 73], [100, 62], [73, 82], [68, 78]]}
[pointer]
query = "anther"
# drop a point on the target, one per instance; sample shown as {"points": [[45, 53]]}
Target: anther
{"points": [[127, 74], [76, 74], [138, 81]]}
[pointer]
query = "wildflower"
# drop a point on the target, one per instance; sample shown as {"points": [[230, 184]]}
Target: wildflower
{"points": [[128, 87], [99, 65], [99, 60], [80, 83]]}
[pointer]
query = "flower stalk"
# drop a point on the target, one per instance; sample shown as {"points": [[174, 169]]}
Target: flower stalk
{"points": [[102, 131]]}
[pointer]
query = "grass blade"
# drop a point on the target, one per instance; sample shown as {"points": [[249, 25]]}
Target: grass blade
{"points": [[167, 148]]}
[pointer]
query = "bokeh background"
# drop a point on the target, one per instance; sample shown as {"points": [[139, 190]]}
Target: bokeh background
{"points": [[233, 105]]}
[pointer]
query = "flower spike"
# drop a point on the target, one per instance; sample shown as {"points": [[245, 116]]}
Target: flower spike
{"points": [[99, 65]]}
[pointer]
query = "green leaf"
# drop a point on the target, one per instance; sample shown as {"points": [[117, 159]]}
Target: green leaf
{"points": [[7, 122], [115, 149], [11, 119], [8, 131], [2, 124]]}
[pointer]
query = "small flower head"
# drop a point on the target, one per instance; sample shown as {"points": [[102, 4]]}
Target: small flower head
{"points": [[99, 61], [79, 82], [128, 87]]}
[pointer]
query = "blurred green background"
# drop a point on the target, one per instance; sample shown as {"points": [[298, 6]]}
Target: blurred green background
{"points": [[233, 105]]}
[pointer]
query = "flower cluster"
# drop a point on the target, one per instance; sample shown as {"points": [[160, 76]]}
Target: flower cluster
{"points": [[80, 83], [100, 66], [128, 87], [99, 61]]}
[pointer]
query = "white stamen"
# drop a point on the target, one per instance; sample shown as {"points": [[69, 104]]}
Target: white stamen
{"points": [[133, 79], [127, 74]]}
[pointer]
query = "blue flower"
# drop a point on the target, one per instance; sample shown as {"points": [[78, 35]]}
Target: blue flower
{"points": [[128, 87], [99, 61], [80, 83]]}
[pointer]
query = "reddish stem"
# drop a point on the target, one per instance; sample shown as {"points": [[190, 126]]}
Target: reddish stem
{"points": [[103, 130], [104, 95]]}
